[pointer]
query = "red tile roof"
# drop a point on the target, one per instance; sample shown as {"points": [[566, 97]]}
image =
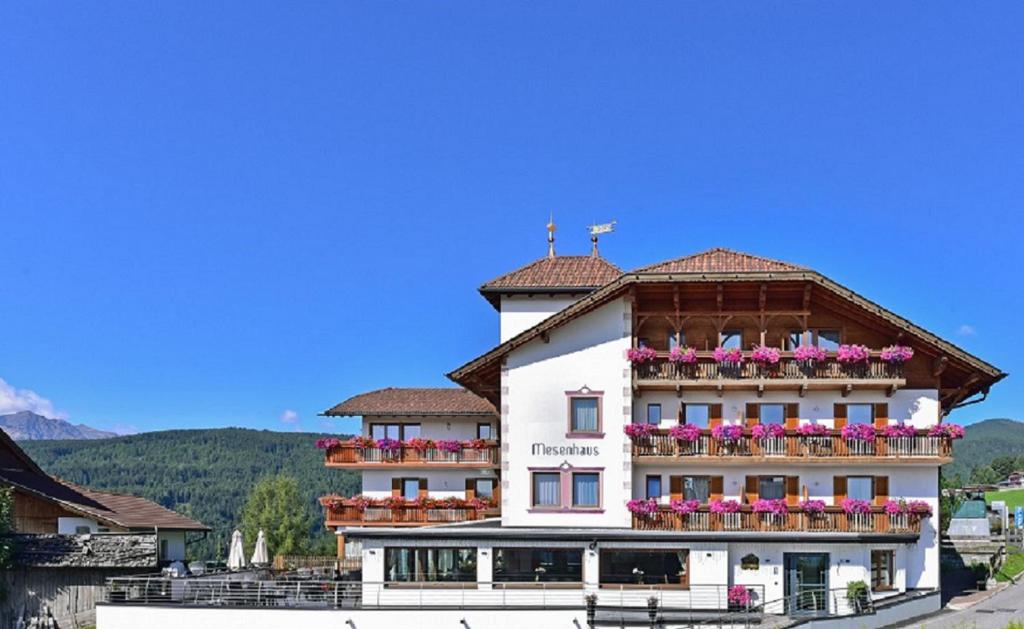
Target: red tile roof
{"points": [[414, 402], [557, 272], [720, 260]]}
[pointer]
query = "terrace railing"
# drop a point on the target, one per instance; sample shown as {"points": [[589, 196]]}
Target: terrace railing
{"points": [[794, 445], [832, 520], [788, 368], [404, 515], [349, 454]]}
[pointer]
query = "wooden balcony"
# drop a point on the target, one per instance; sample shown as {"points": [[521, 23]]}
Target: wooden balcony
{"points": [[348, 456], [793, 447], [787, 374], [832, 520], [405, 515]]}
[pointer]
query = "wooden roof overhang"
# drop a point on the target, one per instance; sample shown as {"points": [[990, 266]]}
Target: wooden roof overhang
{"points": [[959, 375]]}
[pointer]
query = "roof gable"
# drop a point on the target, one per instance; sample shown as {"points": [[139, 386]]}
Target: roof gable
{"points": [[423, 401], [720, 260], [557, 272]]}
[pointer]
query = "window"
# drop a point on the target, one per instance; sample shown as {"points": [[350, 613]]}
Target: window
{"points": [[82, 530], [696, 414], [163, 550], [860, 413], [586, 489], [652, 488], [547, 489], [654, 414], [411, 488], [771, 487], [395, 431], [882, 569], [860, 488], [794, 339], [828, 339], [484, 431], [538, 565], [676, 340], [731, 339], [430, 564], [583, 414], [645, 567], [697, 488], [643, 342], [772, 413], [483, 487]]}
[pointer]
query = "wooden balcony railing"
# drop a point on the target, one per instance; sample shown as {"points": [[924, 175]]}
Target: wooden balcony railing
{"points": [[788, 368], [348, 455], [406, 515], [795, 446], [832, 520]]}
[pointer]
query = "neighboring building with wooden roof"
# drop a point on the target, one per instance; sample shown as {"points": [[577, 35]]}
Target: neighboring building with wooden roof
{"points": [[414, 402], [47, 505]]}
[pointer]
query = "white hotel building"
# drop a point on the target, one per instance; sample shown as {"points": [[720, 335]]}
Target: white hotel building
{"points": [[764, 487]]}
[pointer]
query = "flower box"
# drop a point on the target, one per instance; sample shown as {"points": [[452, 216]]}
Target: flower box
{"points": [[684, 432], [641, 355], [896, 354]]}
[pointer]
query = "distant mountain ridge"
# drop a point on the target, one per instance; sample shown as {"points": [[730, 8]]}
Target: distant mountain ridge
{"points": [[983, 442], [29, 426]]}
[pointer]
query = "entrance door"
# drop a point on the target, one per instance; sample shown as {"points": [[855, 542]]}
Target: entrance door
{"points": [[806, 584]]}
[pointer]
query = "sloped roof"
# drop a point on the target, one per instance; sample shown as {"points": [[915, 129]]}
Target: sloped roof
{"points": [[122, 510], [557, 272], [720, 260], [415, 402]]}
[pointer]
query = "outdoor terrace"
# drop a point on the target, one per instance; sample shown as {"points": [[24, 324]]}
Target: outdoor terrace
{"points": [[370, 454], [832, 519], [396, 512]]}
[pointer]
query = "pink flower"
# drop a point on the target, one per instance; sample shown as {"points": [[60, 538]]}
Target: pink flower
{"points": [[809, 352], [724, 506], [421, 445], [895, 507], [775, 507], [727, 432], [449, 445], [739, 595], [642, 507], [684, 432], [920, 507], [361, 443], [765, 355], [952, 431], [389, 445], [899, 430], [767, 431], [635, 431], [723, 355], [853, 354], [641, 355], [687, 355], [683, 507], [813, 506], [897, 354], [812, 430], [328, 443], [859, 432], [854, 506]]}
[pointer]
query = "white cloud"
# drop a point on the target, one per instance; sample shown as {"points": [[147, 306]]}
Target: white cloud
{"points": [[966, 330], [14, 400], [289, 417]]}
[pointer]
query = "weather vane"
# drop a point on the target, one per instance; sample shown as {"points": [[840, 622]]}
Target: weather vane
{"points": [[551, 235], [595, 230]]}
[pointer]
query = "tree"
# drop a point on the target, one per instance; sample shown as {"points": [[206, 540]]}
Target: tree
{"points": [[984, 475], [1004, 465], [276, 507], [6, 528]]}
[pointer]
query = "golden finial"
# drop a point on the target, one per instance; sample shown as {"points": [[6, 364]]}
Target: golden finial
{"points": [[551, 235]]}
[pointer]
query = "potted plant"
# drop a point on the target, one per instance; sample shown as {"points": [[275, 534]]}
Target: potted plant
{"points": [[815, 439], [738, 597], [730, 362], [638, 431], [949, 431], [684, 359], [641, 355], [642, 507], [808, 357], [854, 359], [813, 511], [857, 594], [328, 443], [767, 360]]}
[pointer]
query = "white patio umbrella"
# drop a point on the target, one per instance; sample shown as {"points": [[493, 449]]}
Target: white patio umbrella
{"points": [[236, 557], [260, 555]]}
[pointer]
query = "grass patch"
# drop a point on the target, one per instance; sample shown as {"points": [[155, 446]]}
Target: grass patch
{"points": [[1013, 566], [1012, 497]]}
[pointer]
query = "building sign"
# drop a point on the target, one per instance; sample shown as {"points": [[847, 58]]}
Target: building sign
{"points": [[750, 562], [573, 450]]}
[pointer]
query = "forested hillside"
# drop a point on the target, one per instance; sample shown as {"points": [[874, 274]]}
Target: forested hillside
{"points": [[990, 450], [206, 474]]}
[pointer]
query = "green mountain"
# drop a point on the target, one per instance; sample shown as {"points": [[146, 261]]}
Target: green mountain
{"points": [[999, 441], [205, 474]]}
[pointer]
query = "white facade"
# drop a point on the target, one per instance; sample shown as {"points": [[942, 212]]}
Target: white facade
{"points": [[522, 312]]}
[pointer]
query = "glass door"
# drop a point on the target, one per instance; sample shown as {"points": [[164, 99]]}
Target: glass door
{"points": [[806, 584]]}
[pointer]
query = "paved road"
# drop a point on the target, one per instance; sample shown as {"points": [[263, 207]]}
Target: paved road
{"points": [[994, 613]]}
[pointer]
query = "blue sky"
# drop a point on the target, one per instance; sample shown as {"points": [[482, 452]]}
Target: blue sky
{"points": [[241, 213]]}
